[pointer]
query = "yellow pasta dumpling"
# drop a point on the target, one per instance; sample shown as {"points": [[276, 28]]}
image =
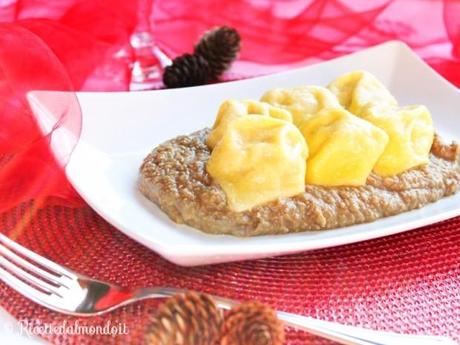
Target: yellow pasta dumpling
{"points": [[302, 102], [343, 148], [360, 89], [233, 109], [411, 132], [259, 159]]}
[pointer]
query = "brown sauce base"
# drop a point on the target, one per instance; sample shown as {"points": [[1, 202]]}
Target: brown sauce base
{"points": [[174, 177]]}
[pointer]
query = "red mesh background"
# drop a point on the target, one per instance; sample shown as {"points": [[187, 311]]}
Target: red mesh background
{"points": [[407, 282]]}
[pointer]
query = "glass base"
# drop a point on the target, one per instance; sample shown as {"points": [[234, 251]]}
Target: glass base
{"points": [[150, 61]]}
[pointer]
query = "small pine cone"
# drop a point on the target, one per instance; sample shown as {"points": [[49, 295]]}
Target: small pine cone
{"points": [[187, 70], [219, 47], [252, 323], [188, 319]]}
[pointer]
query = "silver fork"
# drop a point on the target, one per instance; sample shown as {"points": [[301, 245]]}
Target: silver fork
{"points": [[60, 289]]}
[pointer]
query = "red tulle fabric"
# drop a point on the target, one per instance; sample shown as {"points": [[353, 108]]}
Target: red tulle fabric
{"points": [[73, 45], [28, 169]]}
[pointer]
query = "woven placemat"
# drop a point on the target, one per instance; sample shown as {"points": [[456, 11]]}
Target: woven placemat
{"points": [[407, 283]]}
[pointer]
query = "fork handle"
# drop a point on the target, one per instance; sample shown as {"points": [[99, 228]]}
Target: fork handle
{"points": [[343, 334], [351, 335]]}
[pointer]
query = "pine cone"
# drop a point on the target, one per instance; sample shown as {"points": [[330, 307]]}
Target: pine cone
{"points": [[187, 70], [252, 323], [189, 319], [219, 47]]}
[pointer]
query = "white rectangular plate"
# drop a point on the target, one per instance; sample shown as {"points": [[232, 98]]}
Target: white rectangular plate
{"points": [[119, 130]]}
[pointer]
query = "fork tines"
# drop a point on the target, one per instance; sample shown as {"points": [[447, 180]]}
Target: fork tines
{"points": [[29, 273]]}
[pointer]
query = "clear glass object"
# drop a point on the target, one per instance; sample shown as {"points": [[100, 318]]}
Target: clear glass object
{"points": [[149, 59]]}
